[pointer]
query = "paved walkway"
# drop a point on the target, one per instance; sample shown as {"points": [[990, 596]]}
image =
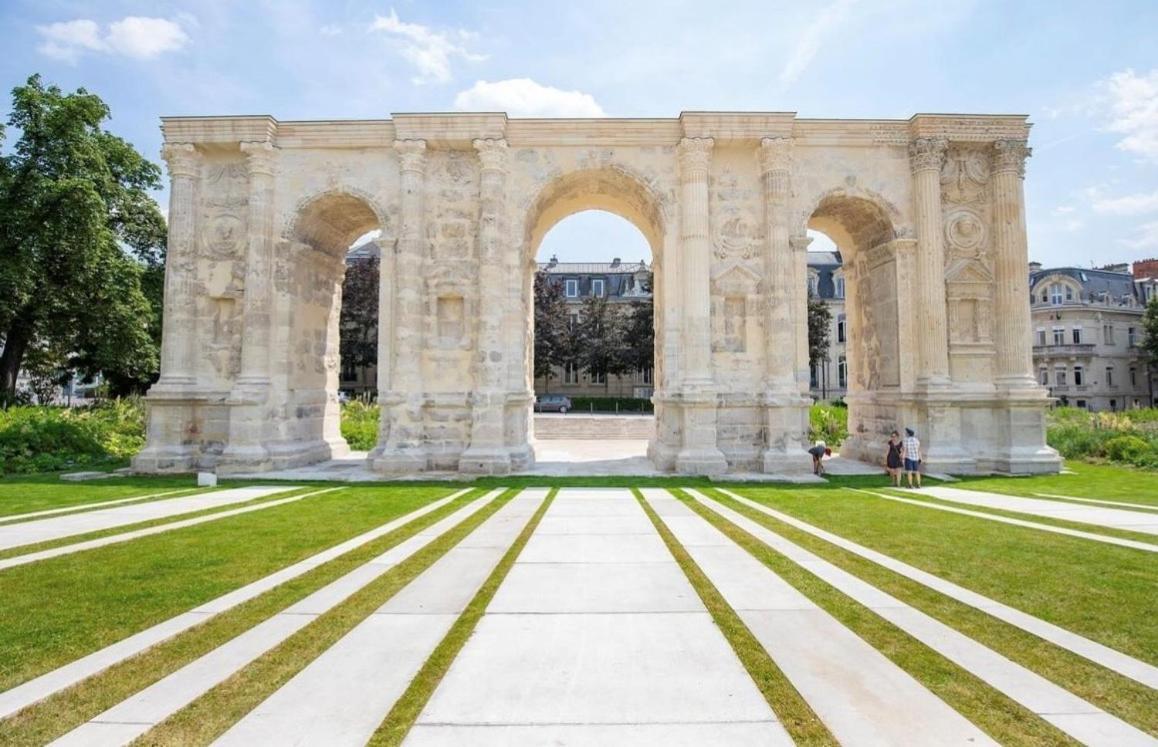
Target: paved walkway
{"points": [[44, 530], [1092, 650], [1114, 518], [580, 648], [52, 682]]}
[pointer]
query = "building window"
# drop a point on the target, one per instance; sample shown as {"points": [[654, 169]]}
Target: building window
{"points": [[1044, 377], [1059, 336], [813, 284], [842, 372], [645, 375], [570, 373], [839, 287], [1113, 405], [1082, 403], [1133, 377], [1059, 376], [1109, 375], [1078, 376], [1040, 336], [597, 287], [1131, 336], [1055, 294], [840, 329], [571, 288], [1077, 335], [813, 375], [598, 377], [1108, 334]]}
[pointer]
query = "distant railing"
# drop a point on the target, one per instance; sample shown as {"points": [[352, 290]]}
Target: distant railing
{"points": [[1085, 349]]}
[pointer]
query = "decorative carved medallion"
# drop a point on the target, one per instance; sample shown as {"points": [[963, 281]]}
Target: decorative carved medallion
{"points": [[965, 233], [737, 237]]}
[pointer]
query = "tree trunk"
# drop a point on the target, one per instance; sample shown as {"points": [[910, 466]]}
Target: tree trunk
{"points": [[15, 346]]}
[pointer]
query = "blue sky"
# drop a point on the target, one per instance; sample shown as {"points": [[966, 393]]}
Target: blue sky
{"points": [[1086, 74]]}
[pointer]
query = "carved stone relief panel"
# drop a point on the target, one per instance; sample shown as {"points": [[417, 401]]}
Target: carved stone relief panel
{"points": [[966, 209], [452, 203], [221, 261]]}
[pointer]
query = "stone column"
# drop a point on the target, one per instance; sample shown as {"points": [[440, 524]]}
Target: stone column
{"points": [[246, 450], [925, 158], [1011, 336], [699, 454], [800, 246], [487, 453], [399, 448], [178, 333], [784, 407]]}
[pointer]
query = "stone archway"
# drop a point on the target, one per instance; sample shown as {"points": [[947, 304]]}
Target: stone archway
{"points": [[929, 209]]}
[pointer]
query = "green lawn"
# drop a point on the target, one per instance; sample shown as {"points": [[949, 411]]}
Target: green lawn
{"points": [[21, 494], [53, 613], [1114, 483]]}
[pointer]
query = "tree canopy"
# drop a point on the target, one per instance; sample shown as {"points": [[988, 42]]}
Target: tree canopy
{"points": [[82, 243]]}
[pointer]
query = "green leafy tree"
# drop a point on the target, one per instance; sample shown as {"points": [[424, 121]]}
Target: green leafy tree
{"points": [[602, 339], [79, 235], [553, 338], [639, 336], [819, 335], [359, 322], [1150, 334]]}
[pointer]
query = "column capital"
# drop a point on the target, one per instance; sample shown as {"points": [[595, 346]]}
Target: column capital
{"points": [[1009, 156], [799, 243], [695, 155], [492, 153], [775, 154], [411, 153], [183, 159], [260, 156], [927, 153]]}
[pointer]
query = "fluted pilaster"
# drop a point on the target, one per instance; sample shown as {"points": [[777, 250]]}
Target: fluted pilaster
{"points": [[1011, 302], [925, 158], [261, 160], [695, 156], [178, 333], [775, 159]]}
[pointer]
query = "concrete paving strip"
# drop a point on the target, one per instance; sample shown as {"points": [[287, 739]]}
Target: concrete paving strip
{"points": [[556, 657], [80, 507], [165, 697], [343, 695], [1132, 544], [859, 694], [1107, 657], [1100, 501], [114, 539], [46, 684], [45, 530], [1083, 721], [1114, 518]]}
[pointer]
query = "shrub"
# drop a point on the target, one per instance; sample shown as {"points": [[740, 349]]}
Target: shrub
{"points": [[828, 423], [1129, 449], [1129, 437], [360, 424], [610, 404]]}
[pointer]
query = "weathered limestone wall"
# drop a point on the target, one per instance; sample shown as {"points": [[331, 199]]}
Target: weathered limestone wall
{"points": [[928, 213]]}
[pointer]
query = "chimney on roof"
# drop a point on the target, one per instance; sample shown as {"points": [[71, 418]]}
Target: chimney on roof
{"points": [[1146, 268], [554, 261], [615, 262], [1034, 267]]}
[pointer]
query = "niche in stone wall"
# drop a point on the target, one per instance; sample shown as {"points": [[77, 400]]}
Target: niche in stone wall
{"points": [[451, 324], [969, 294], [734, 294]]}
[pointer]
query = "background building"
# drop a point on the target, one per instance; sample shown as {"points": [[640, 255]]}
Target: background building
{"points": [[829, 378], [1087, 334], [620, 283]]}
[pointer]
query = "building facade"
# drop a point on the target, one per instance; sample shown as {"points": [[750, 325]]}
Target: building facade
{"points": [[1087, 334], [828, 378], [621, 283], [927, 212]]}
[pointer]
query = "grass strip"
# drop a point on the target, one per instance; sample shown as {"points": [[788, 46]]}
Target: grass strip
{"points": [[1005, 720], [1121, 696], [68, 709], [1025, 516], [27, 493], [402, 716], [85, 508], [791, 709], [73, 539], [53, 613], [213, 713], [1112, 482]]}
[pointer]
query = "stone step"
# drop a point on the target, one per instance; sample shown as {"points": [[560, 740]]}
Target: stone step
{"points": [[598, 427]]}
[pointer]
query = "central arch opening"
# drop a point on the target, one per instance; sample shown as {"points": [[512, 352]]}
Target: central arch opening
{"points": [[594, 239]]}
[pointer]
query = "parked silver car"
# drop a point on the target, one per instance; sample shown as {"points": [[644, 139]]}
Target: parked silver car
{"points": [[552, 403]]}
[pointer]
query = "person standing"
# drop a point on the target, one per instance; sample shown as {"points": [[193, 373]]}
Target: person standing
{"points": [[911, 453], [893, 459]]}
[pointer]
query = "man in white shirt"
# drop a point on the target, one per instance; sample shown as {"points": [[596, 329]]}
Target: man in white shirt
{"points": [[911, 453]]}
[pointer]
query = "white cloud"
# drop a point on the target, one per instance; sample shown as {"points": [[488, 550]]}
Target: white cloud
{"points": [[133, 36], [1133, 105], [1146, 238], [429, 51], [523, 97], [809, 41], [1136, 204]]}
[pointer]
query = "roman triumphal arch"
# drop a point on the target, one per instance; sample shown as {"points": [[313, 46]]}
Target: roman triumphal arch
{"points": [[928, 214]]}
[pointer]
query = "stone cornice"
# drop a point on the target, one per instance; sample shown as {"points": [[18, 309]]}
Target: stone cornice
{"points": [[450, 130], [218, 130], [729, 126]]}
